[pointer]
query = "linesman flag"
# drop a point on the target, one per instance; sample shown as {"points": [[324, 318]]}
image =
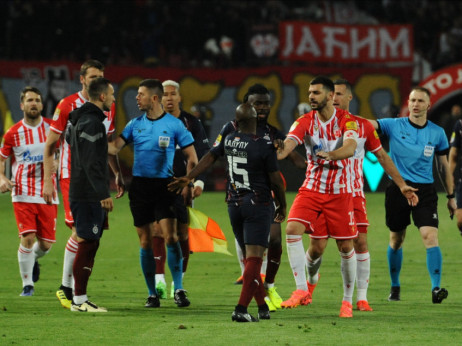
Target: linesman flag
{"points": [[204, 234]]}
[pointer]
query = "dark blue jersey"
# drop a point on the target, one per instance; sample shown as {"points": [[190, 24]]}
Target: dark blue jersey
{"points": [[250, 159], [264, 130]]}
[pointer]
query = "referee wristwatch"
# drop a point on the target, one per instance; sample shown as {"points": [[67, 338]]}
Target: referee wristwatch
{"points": [[450, 196]]}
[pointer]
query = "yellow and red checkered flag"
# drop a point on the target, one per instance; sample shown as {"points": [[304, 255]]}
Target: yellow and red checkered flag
{"points": [[204, 234]]}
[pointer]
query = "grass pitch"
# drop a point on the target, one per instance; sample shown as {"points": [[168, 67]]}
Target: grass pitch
{"points": [[117, 284]]}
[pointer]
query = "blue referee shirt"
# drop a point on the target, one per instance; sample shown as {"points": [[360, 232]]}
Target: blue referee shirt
{"points": [[154, 143], [413, 147]]}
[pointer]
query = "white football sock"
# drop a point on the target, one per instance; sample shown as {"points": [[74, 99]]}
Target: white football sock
{"points": [[348, 267], [38, 252], [80, 299], [297, 260], [313, 268], [264, 264], [240, 256], [69, 255], [363, 270], [161, 278], [26, 264]]}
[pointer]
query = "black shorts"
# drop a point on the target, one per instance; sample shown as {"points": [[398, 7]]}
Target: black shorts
{"points": [[150, 200], [181, 210], [459, 194], [251, 223], [398, 211], [88, 219]]}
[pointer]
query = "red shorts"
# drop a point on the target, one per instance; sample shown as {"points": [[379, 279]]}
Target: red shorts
{"points": [[359, 204], [336, 209], [36, 218], [68, 218]]}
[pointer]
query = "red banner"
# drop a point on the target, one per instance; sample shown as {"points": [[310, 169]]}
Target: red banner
{"points": [[302, 41]]}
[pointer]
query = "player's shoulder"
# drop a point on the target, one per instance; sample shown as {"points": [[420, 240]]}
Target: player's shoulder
{"points": [[392, 122], [71, 100], [68, 104], [136, 120], [347, 119], [363, 122], [14, 129], [263, 142], [189, 117], [173, 121], [306, 118], [344, 114], [435, 128], [47, 121], [230, 125]]}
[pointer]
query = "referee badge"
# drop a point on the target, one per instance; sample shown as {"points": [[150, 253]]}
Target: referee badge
{"points": [[164, 142], [428, 151]]}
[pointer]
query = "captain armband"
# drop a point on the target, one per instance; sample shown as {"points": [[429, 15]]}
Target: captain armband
{"points": [[350, 135]]}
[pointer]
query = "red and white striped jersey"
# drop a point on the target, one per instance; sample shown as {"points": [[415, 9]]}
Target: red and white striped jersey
{"points": [[27, 144], [61, 122], [368, 139], [324, 176]]}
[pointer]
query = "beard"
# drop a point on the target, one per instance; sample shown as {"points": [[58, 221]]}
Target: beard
{"points": [[32, 114], [319, 106]]}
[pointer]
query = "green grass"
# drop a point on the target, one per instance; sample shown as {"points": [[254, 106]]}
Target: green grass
{"points": [[117, 284]]}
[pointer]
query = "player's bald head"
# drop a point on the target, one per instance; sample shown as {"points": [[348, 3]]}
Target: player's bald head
{"points": [[245, 112]]}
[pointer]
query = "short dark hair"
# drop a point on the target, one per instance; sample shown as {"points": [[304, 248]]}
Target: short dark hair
{"points": [[256, 89], [325, 81], [97, 87], [344, 82], [422, 89], [91, 63], [154, 85], [26, 90]]}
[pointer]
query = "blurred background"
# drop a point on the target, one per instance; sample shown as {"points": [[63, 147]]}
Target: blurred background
{"points": [[217, 49]]}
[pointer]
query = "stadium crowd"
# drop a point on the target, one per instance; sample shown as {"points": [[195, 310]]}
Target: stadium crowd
{"points": [[199, 33]]}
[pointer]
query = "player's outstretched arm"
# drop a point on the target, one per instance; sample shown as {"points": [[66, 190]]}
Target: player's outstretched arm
{"points": [[115, 146], [387, 163], [374, 123], [345, 151], [207, 161], [284, 148]]}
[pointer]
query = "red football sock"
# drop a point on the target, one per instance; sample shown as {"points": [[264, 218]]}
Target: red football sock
{"points": [[185, 250], [260, 293], [160, 254], [83, 265], [250, 280], [274, 259]]}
